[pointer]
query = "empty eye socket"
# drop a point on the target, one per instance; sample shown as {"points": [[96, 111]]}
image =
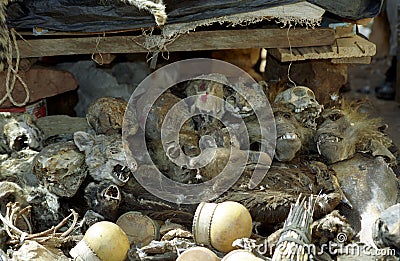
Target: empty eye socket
{"points": [[287, 115], [335, 116]]}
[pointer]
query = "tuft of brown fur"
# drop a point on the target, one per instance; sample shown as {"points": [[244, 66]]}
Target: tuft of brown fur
{"points": [[367, 128]]}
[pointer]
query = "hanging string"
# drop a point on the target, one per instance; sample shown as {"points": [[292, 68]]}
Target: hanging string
{"points": [[14, 72], [97, 51], [291, 56]]}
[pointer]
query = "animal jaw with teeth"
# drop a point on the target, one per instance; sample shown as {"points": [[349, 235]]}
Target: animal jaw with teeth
{"points": [[291, 136]]}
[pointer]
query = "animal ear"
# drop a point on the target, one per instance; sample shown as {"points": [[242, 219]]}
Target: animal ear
{"points": [[378, 149], [83, 140]]}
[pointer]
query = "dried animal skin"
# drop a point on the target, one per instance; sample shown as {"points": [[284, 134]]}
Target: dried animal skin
{"points": [[327, 228], [18, 168], [371, 186], [105, 157], [270, 201], [301, 100], [345, 131], [61, 168], [19, 131], [103, 198], [106, 115], [291, 136]]}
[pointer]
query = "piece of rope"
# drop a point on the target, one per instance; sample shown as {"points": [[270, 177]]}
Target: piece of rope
{"points": [[14, 71], [97, 51]]}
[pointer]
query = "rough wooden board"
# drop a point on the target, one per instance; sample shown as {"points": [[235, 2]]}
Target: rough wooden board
{"points": [[344, 31], [202, 40], [355, 46], [358, 60]]}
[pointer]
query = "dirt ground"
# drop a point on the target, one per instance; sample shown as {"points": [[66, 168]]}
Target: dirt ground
{"points": [[367, 77]]}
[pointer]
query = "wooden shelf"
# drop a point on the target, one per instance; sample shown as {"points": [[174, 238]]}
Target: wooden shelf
{"points": [[194, 41], [354, 49]]}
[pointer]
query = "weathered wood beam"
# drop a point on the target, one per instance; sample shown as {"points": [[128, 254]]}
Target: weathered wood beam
{"points": [[194, 41]]}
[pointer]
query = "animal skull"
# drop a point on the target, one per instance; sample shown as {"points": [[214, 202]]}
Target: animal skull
{"points": [[19, 131], [105, 157], [103, 198], [301, 100]]}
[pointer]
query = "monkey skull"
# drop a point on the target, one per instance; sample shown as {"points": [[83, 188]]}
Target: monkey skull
{"points": [[301, 100]]}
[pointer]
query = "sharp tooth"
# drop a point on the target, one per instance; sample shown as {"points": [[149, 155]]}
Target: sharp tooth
{"points": [[337, 139], [297, 110], [319, 150]]}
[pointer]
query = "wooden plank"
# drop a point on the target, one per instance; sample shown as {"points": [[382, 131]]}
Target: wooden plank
{"points": [[355, 46], [358, 60], [194, 41]]}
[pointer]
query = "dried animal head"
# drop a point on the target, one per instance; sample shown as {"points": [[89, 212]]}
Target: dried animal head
{"points": [[206, 88], [19, 131], [291, 136], [105, 157], [61, 168], [343, 132], [301, 100], [103, 198], [158, 112], [238, 103], [106, 115], [188, 145]]}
